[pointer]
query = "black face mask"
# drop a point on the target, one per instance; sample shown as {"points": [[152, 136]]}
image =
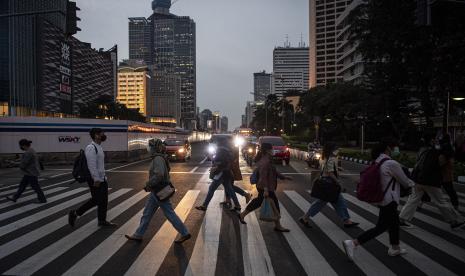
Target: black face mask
{"points": [[103, 138]]}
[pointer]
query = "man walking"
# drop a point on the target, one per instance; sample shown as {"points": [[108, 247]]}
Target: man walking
{"points": [[29, 166], [97, 182]]}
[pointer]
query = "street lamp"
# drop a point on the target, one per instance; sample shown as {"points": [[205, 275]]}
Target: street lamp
{"points": [[458, 99]]}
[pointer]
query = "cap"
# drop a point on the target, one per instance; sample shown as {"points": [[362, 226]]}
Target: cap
{"points": [[24, 142]]}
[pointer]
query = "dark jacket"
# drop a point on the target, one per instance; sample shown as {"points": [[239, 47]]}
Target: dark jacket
{"points": [[223, 161], [30, 163], [268, 175], [427, 170]]}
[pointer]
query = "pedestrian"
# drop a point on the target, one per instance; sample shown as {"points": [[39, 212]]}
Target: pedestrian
{"points": [[392, 177], [97, 182], [446, 160], [267, 184], [221, 173], [237, 176], [29, 166], [428, 177], [158, 173], [329, 168]]}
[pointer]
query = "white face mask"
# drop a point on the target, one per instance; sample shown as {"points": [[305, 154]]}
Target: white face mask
{"points": [[438, 147], [336, 152]]}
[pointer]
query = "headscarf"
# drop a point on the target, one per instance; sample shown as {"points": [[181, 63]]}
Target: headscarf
{"points": [[156, 147]]}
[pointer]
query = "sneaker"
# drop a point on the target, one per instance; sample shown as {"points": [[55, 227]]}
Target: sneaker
{"points": [[405, 225], [349, 248], [248, 197], [396, 252], [352, 224], [11, 199], [106, 224], [72, 216], [456, 224], [183, 239]]}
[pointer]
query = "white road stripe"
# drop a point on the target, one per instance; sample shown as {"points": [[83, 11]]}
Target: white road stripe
{"points": [[29, 207], [29, 197], [194, 169], [427, 237], [42, 214], [416, 258], [308, 255], [255, 255], [205, 254], [13, 190], [30, 237], [203, 161], [367, 263], [129, 164], [53, 251], [150, 260]]}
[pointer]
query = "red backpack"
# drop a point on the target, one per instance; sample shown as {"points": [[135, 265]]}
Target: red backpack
{"points": [[369, 189]]}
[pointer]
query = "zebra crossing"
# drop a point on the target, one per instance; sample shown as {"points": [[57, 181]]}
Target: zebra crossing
{"points": [[432, 250]]}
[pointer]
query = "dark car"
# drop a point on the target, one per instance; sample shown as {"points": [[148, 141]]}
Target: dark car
{"points": [[178, 149], [212, 145], [280, 150]]}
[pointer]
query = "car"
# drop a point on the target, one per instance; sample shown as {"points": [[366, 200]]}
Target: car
{"points": [[249, 149], [280, 149], [212, 145], [177, 149]]}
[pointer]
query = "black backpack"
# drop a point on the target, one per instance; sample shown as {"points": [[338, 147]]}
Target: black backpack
{"points": [[427, 170], [81, 171]]}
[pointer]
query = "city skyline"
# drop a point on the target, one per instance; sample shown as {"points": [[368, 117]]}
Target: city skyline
{"points": [[225, 64]]}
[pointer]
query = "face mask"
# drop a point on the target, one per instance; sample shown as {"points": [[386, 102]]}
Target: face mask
{"points": [[336, 152], [103, 138], [438, 147], [21, 148], [395, 152]]}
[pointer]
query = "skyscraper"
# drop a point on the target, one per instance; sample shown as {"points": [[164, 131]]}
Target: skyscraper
{"points": [[133, 84], [290, 68], [261, 85], [323, 40], [167, 43]]}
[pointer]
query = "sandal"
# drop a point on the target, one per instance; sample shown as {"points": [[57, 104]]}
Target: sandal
{"points": [[201, 208], [133, 238]]}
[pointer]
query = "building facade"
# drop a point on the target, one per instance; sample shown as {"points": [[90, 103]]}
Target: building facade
{"points": [[261, 85], [224, 123], [205, 116], [133, 85], [167, 42], [290, 68], [323, 43], [164, 97], [250, 109]]}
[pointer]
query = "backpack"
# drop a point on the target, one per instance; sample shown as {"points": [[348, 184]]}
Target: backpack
{"points": [[81, 171], [427, 170], [370, 189]]}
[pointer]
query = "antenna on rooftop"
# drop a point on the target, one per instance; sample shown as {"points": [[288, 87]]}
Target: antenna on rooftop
{"points": [[287, 44]]}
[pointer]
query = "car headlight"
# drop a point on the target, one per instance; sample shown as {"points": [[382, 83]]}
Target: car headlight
{"points": [[317, 156], [211, 149], [239, 141], [181, 150], [250, 150]]}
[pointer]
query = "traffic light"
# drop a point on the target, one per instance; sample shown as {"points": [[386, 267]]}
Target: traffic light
{"points": [[71, 18]]}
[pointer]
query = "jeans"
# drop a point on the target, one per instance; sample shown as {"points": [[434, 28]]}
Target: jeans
{"points": [[227, 181], [449, 187], [340, 207], [257, 202], [435, 193], [388, 220], [151, 207], [99, 198], [34, 182], [239, 190]]}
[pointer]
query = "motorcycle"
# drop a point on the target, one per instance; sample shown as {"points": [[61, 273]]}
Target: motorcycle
{"points": [[313, 157]]}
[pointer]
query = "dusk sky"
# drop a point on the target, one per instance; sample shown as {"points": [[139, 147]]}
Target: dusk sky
{"points": [[235, 38]]}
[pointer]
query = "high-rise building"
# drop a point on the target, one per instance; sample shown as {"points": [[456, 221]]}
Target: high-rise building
{"points": [[167, 42], [216, 122], [290, 68], [250, 109], [205, 116], [224, 124], [261, 85], [133, 85], [164, 97], [323, 41]]}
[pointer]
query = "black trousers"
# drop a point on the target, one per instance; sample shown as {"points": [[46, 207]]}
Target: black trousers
{"points": [[34, 182], [99, 199], [449, 187], [388, 220], [257, 202]]}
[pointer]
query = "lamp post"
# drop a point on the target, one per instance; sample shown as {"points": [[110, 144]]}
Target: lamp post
{"points": [[457, 99]]}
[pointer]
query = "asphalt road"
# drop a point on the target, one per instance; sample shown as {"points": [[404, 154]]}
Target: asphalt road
{"points": [[35, 238]]}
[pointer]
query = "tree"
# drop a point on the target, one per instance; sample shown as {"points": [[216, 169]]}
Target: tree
{"points": [[105, 107]]}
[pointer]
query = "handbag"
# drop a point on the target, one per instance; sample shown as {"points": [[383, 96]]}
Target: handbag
{"points": [[164, 191], [326, 188], [268, 211]]}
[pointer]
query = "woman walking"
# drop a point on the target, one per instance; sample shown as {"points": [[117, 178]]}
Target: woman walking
{"points": [[329, 168], [159, 171], [267, 184], [392, 176]]}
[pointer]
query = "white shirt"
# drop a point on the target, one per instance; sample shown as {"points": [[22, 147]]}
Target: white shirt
{"points": [[329, 167], [96, 161], [392, 169]]}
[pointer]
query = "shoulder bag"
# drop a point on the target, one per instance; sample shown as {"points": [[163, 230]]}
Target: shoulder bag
{"points": [[326, 188]]}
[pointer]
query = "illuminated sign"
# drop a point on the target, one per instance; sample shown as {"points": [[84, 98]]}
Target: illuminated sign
{"points": [[65, 68]]}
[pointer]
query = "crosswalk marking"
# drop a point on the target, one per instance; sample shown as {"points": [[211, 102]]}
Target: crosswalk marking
{"points": [[427, 237], [28, 238], [90, 263], [48, 254], [256, 259], [307, 254], [367, 263], [151, 258], [29, 197], [12, 190], [204, 256], [422, 262]]}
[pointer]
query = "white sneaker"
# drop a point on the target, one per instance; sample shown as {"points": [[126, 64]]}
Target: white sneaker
{"points": [[349, 248], [396, 252]]}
